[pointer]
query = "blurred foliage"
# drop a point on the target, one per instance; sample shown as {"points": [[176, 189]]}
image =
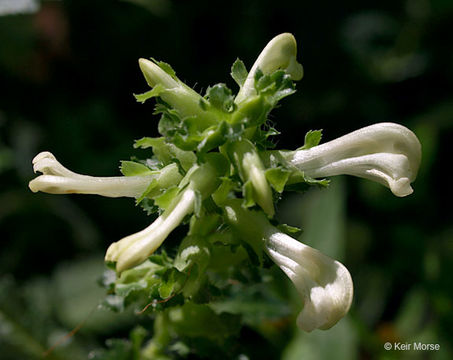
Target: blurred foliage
{"points": [[67, 75]]}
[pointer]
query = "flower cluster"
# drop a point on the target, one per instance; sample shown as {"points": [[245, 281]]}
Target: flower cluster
{"points": [[215, 166]]}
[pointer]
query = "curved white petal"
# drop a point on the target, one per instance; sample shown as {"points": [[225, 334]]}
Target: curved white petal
{"points": [[386, 152], [324, 284], [57, 179]]}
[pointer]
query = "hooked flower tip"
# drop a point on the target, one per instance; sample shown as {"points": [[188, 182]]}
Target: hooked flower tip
{"points": [[324, 284]]}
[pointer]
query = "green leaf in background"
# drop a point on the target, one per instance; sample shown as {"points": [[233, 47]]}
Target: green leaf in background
{"points": [[195, 320], [339, 343]]}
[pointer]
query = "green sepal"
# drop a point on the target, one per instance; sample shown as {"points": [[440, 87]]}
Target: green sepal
{"points": [[274, 86]]}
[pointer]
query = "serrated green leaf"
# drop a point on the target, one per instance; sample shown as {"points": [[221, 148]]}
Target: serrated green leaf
{"points": [[166, 152], [148, 206], [274, 86], [239, 72], [164, 201], [193, 250], [171, 285], [227, 186], [290, 230], [165, 67], [312, 138], [278, 178], [220, 97], [298, 181], [132, 168], [154, 92], [152, 185]]}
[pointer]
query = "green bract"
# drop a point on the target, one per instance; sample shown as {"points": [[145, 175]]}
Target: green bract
{"points": [[214, 170]]}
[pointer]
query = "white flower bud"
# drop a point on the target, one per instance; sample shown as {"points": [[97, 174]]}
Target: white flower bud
{"points": [[279, 53]]}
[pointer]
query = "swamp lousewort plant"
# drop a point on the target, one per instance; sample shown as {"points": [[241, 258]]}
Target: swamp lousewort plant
{"points": [[215, 169]]}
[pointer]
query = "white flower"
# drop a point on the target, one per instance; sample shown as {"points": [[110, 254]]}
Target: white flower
{"points": [[386, 152], [324, 284], [136, 248], [56, 179]]}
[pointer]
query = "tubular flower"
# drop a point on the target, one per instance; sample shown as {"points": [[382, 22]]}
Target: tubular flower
{"points": [[57, 179], [386, 152], [324, 284], [134, 249]]}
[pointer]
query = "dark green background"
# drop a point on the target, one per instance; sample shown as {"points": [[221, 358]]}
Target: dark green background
{"points": [[67, 75]]}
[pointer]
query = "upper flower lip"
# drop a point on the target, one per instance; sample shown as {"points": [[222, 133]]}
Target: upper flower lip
{"points": [[386, 152]]}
